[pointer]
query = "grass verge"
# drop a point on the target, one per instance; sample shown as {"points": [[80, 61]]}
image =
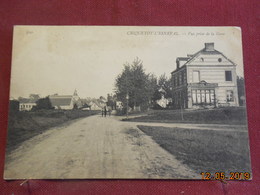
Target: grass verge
{"points": [[231, 115], [204, 150], [25, 125]]}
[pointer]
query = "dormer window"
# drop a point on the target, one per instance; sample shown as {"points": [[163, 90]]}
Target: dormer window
{"points": [[220, 60]]}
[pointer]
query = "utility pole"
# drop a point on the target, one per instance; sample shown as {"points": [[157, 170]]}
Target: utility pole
{"points": [[181, 101], [127, 98], [182, 113]]}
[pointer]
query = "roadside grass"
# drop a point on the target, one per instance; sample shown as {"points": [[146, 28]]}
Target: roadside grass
{"points": [[25, 125], [204, 150], [230, 115]]}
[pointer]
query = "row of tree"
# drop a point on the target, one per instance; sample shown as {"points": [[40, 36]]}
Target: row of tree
{"points": [[140, 88]]}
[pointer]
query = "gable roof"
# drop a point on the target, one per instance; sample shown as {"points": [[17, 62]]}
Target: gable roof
{"points": [[60, 100], [207, 52], [27, 100]]}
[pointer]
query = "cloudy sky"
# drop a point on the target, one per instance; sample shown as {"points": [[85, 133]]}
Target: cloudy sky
{"points": [[60, 59]]}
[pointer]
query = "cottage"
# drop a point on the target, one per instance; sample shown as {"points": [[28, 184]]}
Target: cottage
{"points": [[205, 79], [163, 102], [26, 104], [66, 102]]}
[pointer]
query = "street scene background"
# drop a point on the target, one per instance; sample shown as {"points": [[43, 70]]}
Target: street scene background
{"points": [[97, 102]]}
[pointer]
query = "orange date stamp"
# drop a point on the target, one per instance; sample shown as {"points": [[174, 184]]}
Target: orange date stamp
{"points": [[224, 176]]}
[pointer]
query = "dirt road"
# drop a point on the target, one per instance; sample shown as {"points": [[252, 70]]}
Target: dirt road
{"points": [[94, 147]]}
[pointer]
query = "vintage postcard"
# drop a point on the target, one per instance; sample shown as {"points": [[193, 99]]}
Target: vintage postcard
{"points": [[127, 102]]}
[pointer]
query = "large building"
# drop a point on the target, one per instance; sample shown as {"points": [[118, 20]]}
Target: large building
{"points": [[66, 102], [205, 79]]}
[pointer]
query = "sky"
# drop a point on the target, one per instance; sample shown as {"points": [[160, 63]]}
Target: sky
{"points": [[59, 59]]}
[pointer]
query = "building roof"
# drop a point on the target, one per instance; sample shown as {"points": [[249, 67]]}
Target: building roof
{"points": [[207, 53], [60, 100], [27, 100]]}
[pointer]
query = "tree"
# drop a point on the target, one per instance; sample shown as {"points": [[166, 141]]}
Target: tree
{"points": [[111, 101], [13, 106], [75, 107], [136, 83], [165, 85], [241, 90], [43, 103]]}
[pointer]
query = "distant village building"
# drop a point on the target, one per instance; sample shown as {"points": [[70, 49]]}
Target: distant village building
{"points": [[26, 104], [94, 103], [205, 79], [119, 105], [164, 102], [66, 102], [95, 106]]}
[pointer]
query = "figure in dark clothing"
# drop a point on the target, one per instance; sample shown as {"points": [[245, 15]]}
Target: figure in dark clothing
{"points": [[102, 111], [105, 111], [109, 111]]}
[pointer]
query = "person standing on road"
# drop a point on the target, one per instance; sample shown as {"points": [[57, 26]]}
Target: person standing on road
{"points": [[109, 110], [102, 111], [105, 111]]}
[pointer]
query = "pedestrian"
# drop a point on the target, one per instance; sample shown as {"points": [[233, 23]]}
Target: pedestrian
{"points": [[102, 111], [109, 110], [105, 111]]}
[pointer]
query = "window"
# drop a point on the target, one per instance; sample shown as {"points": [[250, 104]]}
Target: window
{"points": [[206, 97], [196, 76], [212, 96], [194, 96], [228, 75], [183, 77], [230, 96], [220, 60]]}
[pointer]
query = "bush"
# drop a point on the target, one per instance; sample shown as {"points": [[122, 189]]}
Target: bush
{"points": [[43, 103]]}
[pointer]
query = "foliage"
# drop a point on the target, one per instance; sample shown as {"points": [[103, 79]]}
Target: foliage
{"points": [[43, 103], [75, 107], [241, 89], [166, 85], [164, 88], [14, 106], [139, 86], [111, 101], [204, 149]]}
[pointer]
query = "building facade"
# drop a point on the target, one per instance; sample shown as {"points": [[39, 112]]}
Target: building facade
{"points": [[163, 102], [66, 102], [26, 104], [206, 79]]}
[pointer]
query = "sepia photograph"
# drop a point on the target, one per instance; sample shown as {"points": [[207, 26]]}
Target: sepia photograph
{"points": [[127, 102]]}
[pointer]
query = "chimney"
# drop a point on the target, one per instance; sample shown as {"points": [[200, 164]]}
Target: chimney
{"points": [[178, 63], [209, 46]]}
